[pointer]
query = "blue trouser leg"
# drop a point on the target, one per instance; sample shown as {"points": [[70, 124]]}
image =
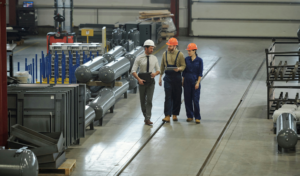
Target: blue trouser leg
{"points": [[196, 99], [188, 98], [176, 94], [168, 98]]}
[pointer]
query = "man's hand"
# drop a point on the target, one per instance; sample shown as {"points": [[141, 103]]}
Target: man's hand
{"points": [[153, 75], [196, 86], [182, 83], [177, 69], [141, 82], [160, 82]]}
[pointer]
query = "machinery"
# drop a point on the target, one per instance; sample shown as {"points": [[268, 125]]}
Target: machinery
{"points": [[21, 162], [132, 83], [114, 70], [119, 91], [89, 117], [59, 36], [134, 35], [89, 70], [147, 30], [286, 135]]}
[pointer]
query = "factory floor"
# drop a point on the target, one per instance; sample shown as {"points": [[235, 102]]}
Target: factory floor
{"points": [[181, 148]]}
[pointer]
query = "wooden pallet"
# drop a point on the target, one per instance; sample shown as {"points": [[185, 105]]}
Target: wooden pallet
{"points": [[65, 169], [99, 83], [21, 42]]}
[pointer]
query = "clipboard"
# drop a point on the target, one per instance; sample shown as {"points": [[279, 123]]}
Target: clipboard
{"points": [[145, 76], [170, 68]]}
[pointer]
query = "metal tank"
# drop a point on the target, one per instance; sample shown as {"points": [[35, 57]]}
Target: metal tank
{"points": [[124, 34], [132, 83], [131, 56], [88, 95], [120, 90], [113, 70], [286, 131], [114, 53], [88, 71], [89, 117], [103, 102], [134, 35], [21, 162]]}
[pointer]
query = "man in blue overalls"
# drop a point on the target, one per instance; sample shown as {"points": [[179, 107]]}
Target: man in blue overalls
{"points": [[172, 80]]}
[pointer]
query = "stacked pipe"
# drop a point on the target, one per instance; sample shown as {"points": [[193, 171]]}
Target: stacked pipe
{"points": [[114, 53]]}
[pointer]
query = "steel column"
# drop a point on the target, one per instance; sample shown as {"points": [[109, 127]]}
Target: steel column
{"points": [[175, 11], [13, 12], [3, 76]]}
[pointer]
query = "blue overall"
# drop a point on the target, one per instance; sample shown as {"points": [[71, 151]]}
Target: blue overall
{"points": [[193, 70], [173, 89]]}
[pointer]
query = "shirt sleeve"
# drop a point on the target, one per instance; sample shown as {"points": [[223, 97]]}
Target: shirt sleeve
{"points": [[135, 65], [156, 65], [181, 61], [201, 68], [162, 65]]}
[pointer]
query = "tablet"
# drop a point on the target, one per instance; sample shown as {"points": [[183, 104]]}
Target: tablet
{"points": [[170, 68]]}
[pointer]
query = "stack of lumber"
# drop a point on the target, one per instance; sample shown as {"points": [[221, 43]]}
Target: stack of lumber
{"points": [[155, 14]]}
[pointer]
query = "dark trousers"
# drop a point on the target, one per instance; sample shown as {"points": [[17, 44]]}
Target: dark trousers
{"points": [[173, 91], [146, 95], [191, 99]]}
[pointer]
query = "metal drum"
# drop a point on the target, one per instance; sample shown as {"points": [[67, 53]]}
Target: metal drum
{"points": [[132, 82], [103, 102], [88, 71], [113, 70], [131, 56], [114, 53], [120, 90], [117, 36], [90, 115], [21, 162], [286, 131]]}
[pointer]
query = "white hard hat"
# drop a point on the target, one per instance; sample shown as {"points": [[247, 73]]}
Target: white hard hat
{"points": [[149, 43]]}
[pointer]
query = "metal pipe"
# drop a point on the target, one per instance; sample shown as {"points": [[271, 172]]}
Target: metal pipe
{"points": [[114, 70], [89, 115], [120, 90]]}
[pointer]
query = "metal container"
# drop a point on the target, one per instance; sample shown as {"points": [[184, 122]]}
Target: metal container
{"points": [[124, 34], [286, 131], [89, 115], [21, 162], [113, 70], [134, 35], [114, 53], [120, 90], [131, 56], [88, 71], [132, 82], [103, 102]]}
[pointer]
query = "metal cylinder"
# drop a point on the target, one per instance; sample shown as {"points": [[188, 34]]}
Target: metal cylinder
{"points": [[90, 115], [132, 82], [117, 36], [133, 54], [88, 95], [120, 90], [88, 71], [103, 102], [114, 53], [286, 131], [21, 162], [113, 70]]}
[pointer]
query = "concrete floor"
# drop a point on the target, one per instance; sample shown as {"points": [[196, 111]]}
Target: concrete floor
{"points": [[180, 148]]}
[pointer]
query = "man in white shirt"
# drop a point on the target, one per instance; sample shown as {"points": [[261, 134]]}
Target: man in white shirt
{"points": [[146, 63]]}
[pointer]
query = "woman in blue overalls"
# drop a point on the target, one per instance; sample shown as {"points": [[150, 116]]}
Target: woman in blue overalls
{"points": [[191, 78]]}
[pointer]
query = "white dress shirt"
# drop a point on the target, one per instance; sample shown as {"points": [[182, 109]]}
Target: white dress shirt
{"points": [[141, 63]]}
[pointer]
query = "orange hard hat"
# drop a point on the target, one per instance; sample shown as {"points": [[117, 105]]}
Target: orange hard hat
{"points": [[172, 41], [191, 46]]}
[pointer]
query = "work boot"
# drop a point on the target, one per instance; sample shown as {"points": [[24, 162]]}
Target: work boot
{"points": [[197, 121], [166, 119], [189, 119], [148, 122], [175, 118]]}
